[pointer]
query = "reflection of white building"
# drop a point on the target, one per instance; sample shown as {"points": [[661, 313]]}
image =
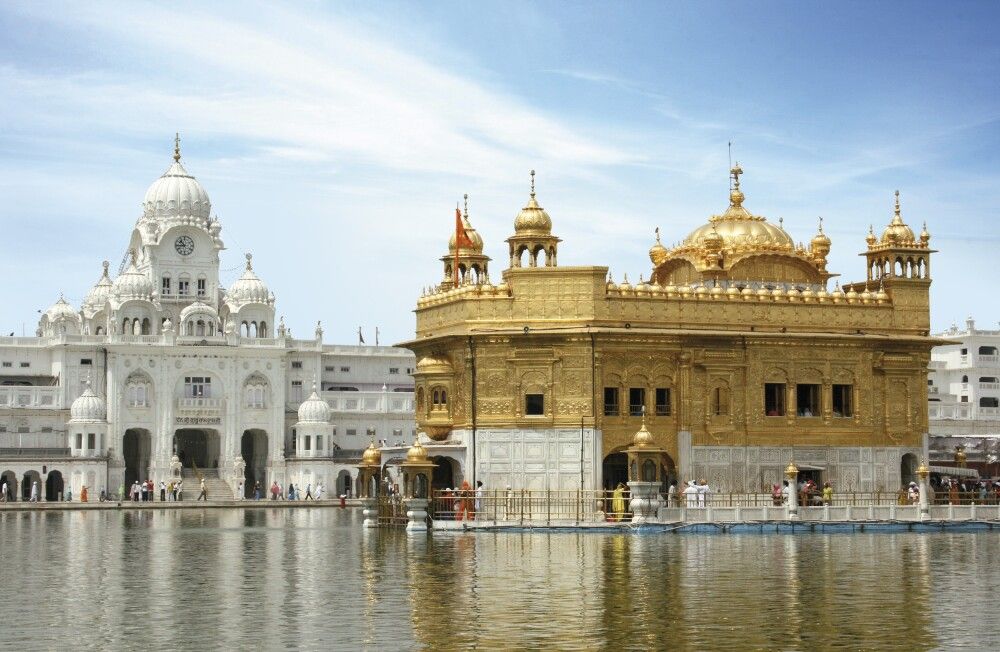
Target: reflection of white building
{"points": [[163, 365], [964, 395]]}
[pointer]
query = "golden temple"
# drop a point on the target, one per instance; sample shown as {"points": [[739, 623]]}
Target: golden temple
{"points": [[736, 350]]}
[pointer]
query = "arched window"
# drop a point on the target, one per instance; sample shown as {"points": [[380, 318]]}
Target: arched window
{"points": [[965, 379], [262, 329], [719, 401], [147, 328]]}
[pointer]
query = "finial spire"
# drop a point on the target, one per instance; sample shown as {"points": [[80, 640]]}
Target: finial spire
{"points": [[781, 223], [466, 213], [820, 223], [532, 184], [736, 171], [249, 261], [658, 235], [177, 147]]}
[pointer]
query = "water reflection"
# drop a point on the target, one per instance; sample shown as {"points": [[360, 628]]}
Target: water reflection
{"points": [[313, 579]]}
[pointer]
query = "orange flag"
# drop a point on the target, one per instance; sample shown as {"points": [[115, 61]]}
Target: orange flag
{"points": [[462, 239]]}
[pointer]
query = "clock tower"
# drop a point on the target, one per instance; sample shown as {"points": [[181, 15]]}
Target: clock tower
{"points": [[177, 242]]}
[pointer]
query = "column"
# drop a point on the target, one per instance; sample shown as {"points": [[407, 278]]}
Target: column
{"points": [[922, 474], [792, 474]]}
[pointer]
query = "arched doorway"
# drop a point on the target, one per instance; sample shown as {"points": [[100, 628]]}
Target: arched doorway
{"points": [[253, 448], [614, 470], [8, 478], [444, 475], [30, 477], [344, 483], [907, 469], [197, 447], [136, 445], [54, 486]]}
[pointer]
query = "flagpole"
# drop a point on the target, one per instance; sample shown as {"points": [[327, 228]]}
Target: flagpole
{"points": [[458, 244]]}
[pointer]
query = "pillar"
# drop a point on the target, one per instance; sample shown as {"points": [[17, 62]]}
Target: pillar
{"points": [[922, 474], [416, 514], [792, 474]]}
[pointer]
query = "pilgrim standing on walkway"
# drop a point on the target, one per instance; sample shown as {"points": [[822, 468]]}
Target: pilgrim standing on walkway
{"points": [[478, 505], [180, 490], [239, 491], [319, 491], [3, 492], [203, 495], [618, 502], [163, 491], [309, 489], [34, 491], [690, 494]]}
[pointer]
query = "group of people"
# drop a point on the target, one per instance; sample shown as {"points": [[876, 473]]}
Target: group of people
{"points": [[278, 493], [145, 491], [809, 493], [983, 492], [464, 502]]}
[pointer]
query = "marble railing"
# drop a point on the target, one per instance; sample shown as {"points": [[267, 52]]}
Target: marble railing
{"points": [[30, 397]]}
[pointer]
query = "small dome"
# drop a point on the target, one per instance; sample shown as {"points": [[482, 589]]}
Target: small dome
{"points": [[99, 294], [870, 238], [132, 284], [431, 364], [477, 240], [314, 409], [925, 235], [61, 310], [897, 232], [199, 308], [533, 218], [643, 438], [176, 194], [820, 240], [417, 453], [657, 253], [88, 406], [372, 456], [248, 288]]}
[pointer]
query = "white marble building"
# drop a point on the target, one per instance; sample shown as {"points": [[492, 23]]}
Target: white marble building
{"points": [[163, 371], [964, 397]]}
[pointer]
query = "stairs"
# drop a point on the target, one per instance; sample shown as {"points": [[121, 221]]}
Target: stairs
{"points": [[218, 489]]}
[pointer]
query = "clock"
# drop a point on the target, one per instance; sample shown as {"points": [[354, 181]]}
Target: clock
{"points": [[184, 245]]}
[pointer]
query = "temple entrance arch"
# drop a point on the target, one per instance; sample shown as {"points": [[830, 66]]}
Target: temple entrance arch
{"points": [[253, 448], [53, 486], [445, 475], [136, 447], [197, 447], [29, 478]]}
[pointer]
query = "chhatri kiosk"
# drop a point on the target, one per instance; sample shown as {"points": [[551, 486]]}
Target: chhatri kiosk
{"points": [[739, 349]]}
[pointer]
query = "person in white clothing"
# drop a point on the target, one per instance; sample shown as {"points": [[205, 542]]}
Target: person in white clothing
{"points": [[319, 491], [691, 494], [34, 491], [239, 491], [703, 492]]}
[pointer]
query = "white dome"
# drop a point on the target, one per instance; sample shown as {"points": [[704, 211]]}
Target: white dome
{"points": [[199, 308], [314, 409], [88, 407], [132, 284], [176, 194], [248, 288], [100, 292], [61, 310]]}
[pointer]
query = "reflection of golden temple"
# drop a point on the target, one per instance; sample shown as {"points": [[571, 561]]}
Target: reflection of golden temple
{"points": [[735, 348]]}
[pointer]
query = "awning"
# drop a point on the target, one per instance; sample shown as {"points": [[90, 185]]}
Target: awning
{"points": [[955, 471], [810, 467]]}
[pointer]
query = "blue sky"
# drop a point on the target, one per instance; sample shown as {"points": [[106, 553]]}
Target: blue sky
{"points": [[335, 138]]}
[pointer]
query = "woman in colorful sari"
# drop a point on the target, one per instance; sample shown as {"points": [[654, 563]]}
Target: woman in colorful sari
{"points": [[618, 503]]}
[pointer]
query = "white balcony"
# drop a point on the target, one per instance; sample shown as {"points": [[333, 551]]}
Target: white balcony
{"points": [[30, 397], [369, 402], [989, 359], [989, 412], [989, 385], [949, 412]]}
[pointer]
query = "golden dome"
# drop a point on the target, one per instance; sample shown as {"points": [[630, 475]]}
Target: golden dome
{"points": [[925, 235], [737, 227], [791, 471], [657, 253], [372, 456], [821, 239], [870, 238], [431, 364], [643, 438], [477, 240], [533, 218], [417, 453], [897, 232]]}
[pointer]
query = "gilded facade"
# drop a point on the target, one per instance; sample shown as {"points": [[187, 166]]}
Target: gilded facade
{"points": [[738, 351]]}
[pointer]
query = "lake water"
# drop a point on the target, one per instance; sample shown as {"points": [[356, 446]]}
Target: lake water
{"points": [[314, 579]]}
